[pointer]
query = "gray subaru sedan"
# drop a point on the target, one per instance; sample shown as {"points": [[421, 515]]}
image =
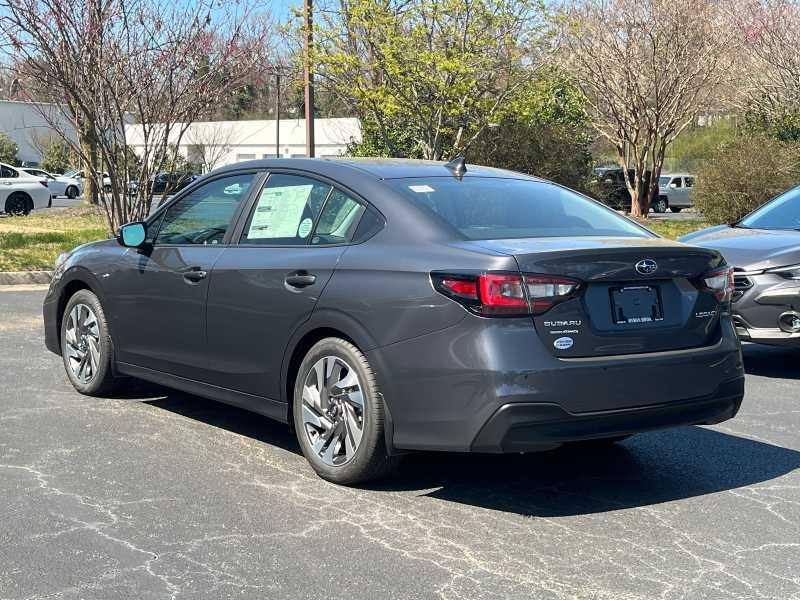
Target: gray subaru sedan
{"points": [[383, 306]]}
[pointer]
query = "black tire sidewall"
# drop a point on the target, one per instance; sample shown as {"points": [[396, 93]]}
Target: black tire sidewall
{"points": [[71, 192], [372, 449], [103, 378], [17, 198]]}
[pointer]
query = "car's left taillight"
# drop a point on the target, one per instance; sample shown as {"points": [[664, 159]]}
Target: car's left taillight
{"points": [[720, 281], [505, 294]]}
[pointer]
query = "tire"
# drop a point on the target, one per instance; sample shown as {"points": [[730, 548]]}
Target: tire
{"points": [[89, 345], [107, 189], [327, 426], [660, 205], [71, 192], [18, 204], [676, 209]]}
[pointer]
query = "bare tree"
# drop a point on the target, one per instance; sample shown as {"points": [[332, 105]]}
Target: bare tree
{"points": [[768, 72], [209, 143], [109, 63], [648, 68]]}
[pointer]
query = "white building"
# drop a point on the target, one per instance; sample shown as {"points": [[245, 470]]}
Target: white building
{"points": [[26, 124], [217, 143]]}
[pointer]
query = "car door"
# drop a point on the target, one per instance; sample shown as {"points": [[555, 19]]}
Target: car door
{"points": [[266, 286], [159, 291], [688, 184], [6, 184]]}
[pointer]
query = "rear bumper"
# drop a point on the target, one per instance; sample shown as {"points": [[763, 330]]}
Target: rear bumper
{"points": [[526, 427]]}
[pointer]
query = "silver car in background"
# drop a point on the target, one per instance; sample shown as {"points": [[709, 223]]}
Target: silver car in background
{"points": [[764, 249], [674, 192]]}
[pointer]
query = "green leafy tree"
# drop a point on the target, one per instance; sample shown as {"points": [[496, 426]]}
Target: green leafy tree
{"points": [[8, 149], [58, 157], [428, 76], [546, 133]]}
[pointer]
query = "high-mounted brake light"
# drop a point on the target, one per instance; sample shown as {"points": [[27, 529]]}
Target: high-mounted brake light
{"points": [[720, 281], [502, 294]]}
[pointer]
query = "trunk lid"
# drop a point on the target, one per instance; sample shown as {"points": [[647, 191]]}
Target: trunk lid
{"points": [[619, 308]]}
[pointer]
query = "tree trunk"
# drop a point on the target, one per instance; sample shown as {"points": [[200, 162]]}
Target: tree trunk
{"points": [[89, 144]]}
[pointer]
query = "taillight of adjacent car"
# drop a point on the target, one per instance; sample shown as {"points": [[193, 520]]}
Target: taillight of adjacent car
{"points": [[505, 294]]}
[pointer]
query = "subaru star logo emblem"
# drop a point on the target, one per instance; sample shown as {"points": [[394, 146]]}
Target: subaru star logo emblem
{"points": [[646, 266]]}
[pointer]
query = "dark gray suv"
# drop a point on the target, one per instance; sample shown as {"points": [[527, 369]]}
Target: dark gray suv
{"points": [[382, 306]]}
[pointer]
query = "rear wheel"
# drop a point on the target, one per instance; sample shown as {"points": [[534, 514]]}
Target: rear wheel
{"points": [[676, 209], [660, 205], [18, 204], [339, 414], [72, 192], [86, 346]]}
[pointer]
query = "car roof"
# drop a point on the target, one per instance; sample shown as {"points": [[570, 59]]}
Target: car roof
{"points": [[677, 175], [377, 168]]}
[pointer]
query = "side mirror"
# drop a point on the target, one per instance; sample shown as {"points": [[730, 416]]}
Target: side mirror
{"points": [[132, 235], [673, 185]]}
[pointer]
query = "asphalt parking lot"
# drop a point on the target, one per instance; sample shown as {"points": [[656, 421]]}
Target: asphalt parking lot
{"points": [[158, 494]]}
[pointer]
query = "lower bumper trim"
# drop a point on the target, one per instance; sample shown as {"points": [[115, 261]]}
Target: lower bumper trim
{"points": [[529, 427]]}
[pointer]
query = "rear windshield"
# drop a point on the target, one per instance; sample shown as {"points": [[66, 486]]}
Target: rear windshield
{"points": [[483, 208]]}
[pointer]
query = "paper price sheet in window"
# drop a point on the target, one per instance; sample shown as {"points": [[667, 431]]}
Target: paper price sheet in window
{"points": [[279, 211]]}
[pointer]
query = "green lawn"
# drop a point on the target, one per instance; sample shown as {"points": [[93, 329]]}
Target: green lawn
{"points": [[32, 243], [674, 229]]}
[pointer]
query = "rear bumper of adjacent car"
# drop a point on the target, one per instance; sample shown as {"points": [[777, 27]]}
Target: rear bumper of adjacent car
{"points": [[491, 386]]}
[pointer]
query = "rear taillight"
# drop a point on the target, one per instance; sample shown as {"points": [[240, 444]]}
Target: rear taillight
{"points": [[720, 281], [501, 294]]}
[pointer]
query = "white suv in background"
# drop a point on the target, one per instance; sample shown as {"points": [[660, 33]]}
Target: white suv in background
{"points": [[21, 192], [674, 192]]}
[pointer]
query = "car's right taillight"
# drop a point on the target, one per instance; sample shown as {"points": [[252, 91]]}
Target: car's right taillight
{"points": [[505, 294], [720, 281]]}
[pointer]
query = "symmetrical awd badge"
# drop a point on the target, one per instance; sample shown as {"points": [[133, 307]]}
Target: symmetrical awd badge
{"points": [[646, 266]]}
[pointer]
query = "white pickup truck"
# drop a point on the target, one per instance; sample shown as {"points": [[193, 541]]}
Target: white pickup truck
{"points": [[674, 192], [20, 192]]}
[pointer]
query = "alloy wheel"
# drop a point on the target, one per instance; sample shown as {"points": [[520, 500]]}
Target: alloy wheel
{"points": [[333, 410], [82, 337]]}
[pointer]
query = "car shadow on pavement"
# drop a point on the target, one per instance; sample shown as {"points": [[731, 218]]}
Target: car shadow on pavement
{"points": [[769, 361], [647, 469]]}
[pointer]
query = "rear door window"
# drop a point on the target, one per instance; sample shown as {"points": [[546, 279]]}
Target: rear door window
{"points": [[286, 211]]}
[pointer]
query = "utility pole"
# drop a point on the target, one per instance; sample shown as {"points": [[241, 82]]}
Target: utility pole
{"points": [[309, 79], [277, 114]]}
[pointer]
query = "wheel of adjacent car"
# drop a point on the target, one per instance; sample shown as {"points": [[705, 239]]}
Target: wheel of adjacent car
{"points": [[71, 192], [660, 205], [18, 204], [676, 209], [339, 414], [86, 346]]}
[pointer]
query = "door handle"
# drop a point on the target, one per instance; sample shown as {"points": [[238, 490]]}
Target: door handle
{"points": [[300, 279], [195, 275]]}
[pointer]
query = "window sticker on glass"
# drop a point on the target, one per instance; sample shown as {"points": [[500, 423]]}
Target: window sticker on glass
{"points": [[279, 212], [305, 228], [421, 189]]}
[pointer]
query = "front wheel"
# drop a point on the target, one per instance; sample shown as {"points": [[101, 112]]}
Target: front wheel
{"points": [[18, 204], [72, 192], [86, 346], [660, 205], [339, 414]]}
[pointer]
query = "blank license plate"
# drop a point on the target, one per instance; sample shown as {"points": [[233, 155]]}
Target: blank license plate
{"points": [[636, 304]]}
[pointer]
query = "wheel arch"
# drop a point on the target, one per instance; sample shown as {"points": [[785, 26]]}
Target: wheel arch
{"points": [[78, 279]]}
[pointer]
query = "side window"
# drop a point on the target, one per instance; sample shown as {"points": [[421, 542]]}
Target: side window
{"points": [[677, 181], [338, 220], [8, 172], [203, 217], [286, 211]]}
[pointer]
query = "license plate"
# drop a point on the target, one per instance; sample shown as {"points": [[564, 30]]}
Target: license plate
{"points": [[636, 304]]}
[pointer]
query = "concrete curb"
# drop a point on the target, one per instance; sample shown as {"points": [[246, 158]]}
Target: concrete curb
{"points": [[25, 277]]}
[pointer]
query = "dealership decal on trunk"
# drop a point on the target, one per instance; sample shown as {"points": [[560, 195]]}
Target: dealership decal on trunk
{"points": [[563, 343]]}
